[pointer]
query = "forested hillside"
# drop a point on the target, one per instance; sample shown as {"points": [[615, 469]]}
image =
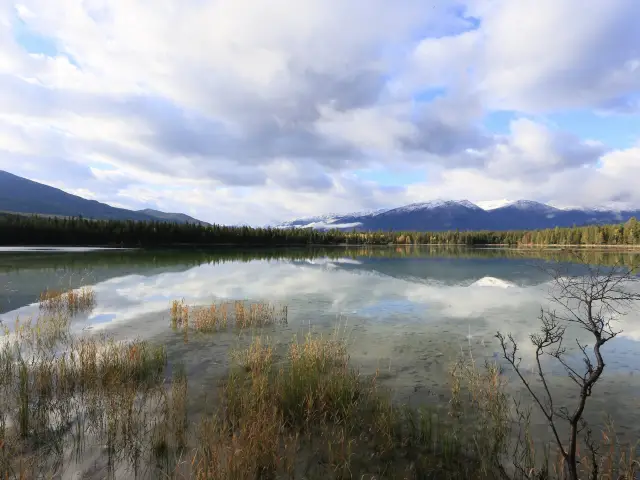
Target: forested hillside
{"points": [[23, 196], [34, 230]]}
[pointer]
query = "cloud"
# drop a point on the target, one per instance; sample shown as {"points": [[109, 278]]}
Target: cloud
{"points": [[368, 129], [532, 152], [543, 55], [611, 183], [258, 111]]}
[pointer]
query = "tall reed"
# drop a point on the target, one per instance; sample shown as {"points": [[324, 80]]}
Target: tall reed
{"points": [[58, 390], [216, 317], [68, 301]]}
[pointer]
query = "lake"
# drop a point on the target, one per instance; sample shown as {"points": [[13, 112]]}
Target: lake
{"points": [[408, 312]]}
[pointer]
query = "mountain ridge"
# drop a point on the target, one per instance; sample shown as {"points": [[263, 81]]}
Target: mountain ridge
{"points": [[441, 215], [23, 196]]}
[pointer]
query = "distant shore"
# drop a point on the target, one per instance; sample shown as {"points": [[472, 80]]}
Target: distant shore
{"points": [[207, 246]]}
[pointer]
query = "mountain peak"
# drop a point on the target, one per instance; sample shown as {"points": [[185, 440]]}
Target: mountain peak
{"points": [[438, 203], [530, 205], [438, 215]]}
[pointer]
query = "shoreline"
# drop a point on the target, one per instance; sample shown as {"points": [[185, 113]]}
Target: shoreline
{"points": [[255, 246]]}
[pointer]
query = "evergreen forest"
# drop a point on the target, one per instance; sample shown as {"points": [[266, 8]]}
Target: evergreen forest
{"points": [[35, 230]]}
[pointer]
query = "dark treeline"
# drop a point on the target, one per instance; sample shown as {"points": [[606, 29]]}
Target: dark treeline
{"points": [[36, 230]]}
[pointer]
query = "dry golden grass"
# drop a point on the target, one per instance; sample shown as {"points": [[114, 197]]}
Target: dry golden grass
{"points": [[298, 410], [257, 358], [69, 301], [500, 429], [218, 317], [210, 319], [43, 332], [250, 315], [314, 416], [56, 390]]}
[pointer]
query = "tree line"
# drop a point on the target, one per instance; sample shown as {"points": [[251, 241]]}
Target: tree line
{"points": [[38, 230]]}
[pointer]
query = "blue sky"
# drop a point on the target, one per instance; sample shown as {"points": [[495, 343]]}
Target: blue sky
{"points": [[31, 41], [616, 131], [261, 111]]}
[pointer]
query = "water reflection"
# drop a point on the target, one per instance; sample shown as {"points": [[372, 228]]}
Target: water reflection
{"points": [[471, 293], [408, 312]]}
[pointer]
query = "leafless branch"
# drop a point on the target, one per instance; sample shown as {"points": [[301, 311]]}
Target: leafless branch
{"points": [[592, 301]]}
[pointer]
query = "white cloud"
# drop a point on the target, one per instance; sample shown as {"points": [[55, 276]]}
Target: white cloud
{"points": [[257, 111], [542, 55], [369, 129]]}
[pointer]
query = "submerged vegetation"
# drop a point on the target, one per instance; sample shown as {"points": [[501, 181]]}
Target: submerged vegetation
{"points": [[35, 230]]}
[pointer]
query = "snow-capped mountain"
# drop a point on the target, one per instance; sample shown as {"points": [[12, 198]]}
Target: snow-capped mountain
{"points": [[530, 205], [412, 207], [439, 215], [333, 220]]}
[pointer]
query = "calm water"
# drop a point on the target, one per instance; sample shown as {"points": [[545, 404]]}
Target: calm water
{"points": [[408, 312]]}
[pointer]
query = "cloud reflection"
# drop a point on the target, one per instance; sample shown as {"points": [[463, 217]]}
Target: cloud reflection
{"points": [[482, 303]]}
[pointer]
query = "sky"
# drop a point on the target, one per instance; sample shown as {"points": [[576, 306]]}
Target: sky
{"points": [[255, 111]]}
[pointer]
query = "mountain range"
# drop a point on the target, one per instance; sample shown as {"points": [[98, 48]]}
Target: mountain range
{"points": [[20, 195], [441, 215]]}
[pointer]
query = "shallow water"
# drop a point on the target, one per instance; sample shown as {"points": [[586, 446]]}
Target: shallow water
{"points": [[407, 312]]}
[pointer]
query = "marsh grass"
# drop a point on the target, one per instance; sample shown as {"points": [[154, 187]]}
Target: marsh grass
{"points": [[499, 426], [59, 391], [304, 412], [219, 317], [211, 318], [296, 410], [43, 332], [293, 410], [69, 302], [257, 358], [259, 314]]}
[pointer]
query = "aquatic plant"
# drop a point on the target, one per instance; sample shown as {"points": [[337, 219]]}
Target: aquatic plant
{"points": [[314, 416], [216, 317], [297, 409], [260, 314], [70, 301], [57, 390]]}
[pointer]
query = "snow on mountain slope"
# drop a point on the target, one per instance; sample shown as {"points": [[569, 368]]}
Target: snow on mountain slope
{"points": [[439, 215], [331, 220], [327, 225], [493, 204], [434, 204], [530, 205]]}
